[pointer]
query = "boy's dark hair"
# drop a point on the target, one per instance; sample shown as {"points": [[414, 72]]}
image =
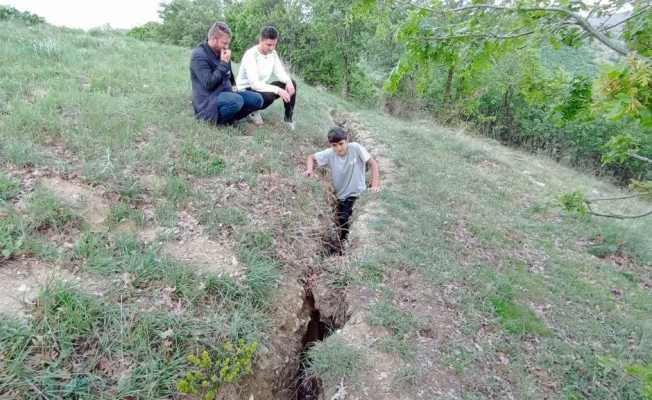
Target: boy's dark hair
{"points": [[269, 32], [337, 134]]}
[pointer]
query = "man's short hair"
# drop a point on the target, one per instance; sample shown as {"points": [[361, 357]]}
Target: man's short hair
{"points": [[269, 32], [217, 29], [337, 134]]}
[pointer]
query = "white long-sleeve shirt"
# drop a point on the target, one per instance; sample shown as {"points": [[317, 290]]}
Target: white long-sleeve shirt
{"points": [[256, 70]]}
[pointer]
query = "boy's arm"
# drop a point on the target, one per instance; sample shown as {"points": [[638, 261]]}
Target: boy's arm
{"points": [[310, 165], [375, 175]]}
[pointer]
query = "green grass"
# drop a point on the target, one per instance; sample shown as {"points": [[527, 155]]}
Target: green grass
{"points": [[518, 318], [462, 224], [46, 211], [216, 219], [334, 359], [166, 214], [121, 212], [12, 234], [9, 187], [461, 217]]}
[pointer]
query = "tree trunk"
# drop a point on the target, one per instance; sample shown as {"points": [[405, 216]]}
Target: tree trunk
{"points": [[345, 77], [506, 135], [447, 89]]}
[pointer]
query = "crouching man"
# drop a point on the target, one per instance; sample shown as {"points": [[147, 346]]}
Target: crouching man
{"points": [[258, 65], [347, 162], [213, 98]]}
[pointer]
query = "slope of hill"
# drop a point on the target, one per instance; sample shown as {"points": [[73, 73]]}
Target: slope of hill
{"points": [[133, 235]]}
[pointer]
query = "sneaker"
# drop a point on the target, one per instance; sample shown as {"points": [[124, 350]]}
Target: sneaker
{"points": [[290, 125], [256, 118]]}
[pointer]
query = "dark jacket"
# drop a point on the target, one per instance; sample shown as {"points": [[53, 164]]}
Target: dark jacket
{"points": [[209, 77]]}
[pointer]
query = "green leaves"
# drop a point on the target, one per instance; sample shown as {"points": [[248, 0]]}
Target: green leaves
{"points": [[627, 91], [578, 99], [574, 203], [619, 149], [212, 372]]}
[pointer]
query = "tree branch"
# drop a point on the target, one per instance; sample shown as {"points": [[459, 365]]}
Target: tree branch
{"points": [[641, 158], [616, 216], [579, 20], [631, 196], [641, 11], [483, 35]]}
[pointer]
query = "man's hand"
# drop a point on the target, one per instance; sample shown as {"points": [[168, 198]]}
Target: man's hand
{"points": [[289, 87], [375, 187], [284, 95], [308, 173], [225, 55]]}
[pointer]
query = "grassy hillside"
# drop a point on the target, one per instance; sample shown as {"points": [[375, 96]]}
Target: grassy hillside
{"points": [[138, 235]]}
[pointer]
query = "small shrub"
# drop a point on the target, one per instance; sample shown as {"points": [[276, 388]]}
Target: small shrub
{"points": [[9, 188], [211, 373], [574, 203]]}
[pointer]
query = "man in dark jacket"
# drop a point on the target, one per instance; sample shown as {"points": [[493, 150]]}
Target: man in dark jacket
{"points": [[213, 95]]}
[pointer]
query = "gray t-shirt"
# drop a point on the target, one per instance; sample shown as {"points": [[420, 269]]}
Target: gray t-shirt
{"points": [[347, 172]]}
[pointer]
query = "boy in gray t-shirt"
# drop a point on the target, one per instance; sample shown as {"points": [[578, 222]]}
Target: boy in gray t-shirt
{"points": [[347, 162]]}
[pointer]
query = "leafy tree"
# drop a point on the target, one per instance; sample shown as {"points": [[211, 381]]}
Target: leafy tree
{"points": [[186, 22], [10, 13], [149, 31]]}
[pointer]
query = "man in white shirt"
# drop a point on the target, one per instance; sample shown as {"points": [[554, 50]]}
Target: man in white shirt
{"points": [[258, 65]]}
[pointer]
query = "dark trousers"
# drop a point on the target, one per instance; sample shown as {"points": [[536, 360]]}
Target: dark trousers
{"points": [[232, 106], [343, 212], [269, 97]]}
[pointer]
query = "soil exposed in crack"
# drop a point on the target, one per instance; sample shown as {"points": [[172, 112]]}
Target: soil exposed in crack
{"points": [[309, 386]]}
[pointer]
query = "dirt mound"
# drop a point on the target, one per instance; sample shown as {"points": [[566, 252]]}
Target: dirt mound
{"points": [[94, 208], [207, 255], [22, 279]]}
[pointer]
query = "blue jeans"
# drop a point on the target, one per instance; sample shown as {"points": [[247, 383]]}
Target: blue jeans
{"points": [[232, 106]]}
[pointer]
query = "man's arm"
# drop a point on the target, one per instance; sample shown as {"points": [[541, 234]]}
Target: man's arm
{"points": [[375, 175], [209, 79], [250, 67], [283, 76]]}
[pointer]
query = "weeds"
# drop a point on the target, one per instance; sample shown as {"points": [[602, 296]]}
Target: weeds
{"points": [[334, 359], [177, 189], [199, 162], [216, 218], [211, 373], [45, 211], [12, 235], [9, 187]]}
